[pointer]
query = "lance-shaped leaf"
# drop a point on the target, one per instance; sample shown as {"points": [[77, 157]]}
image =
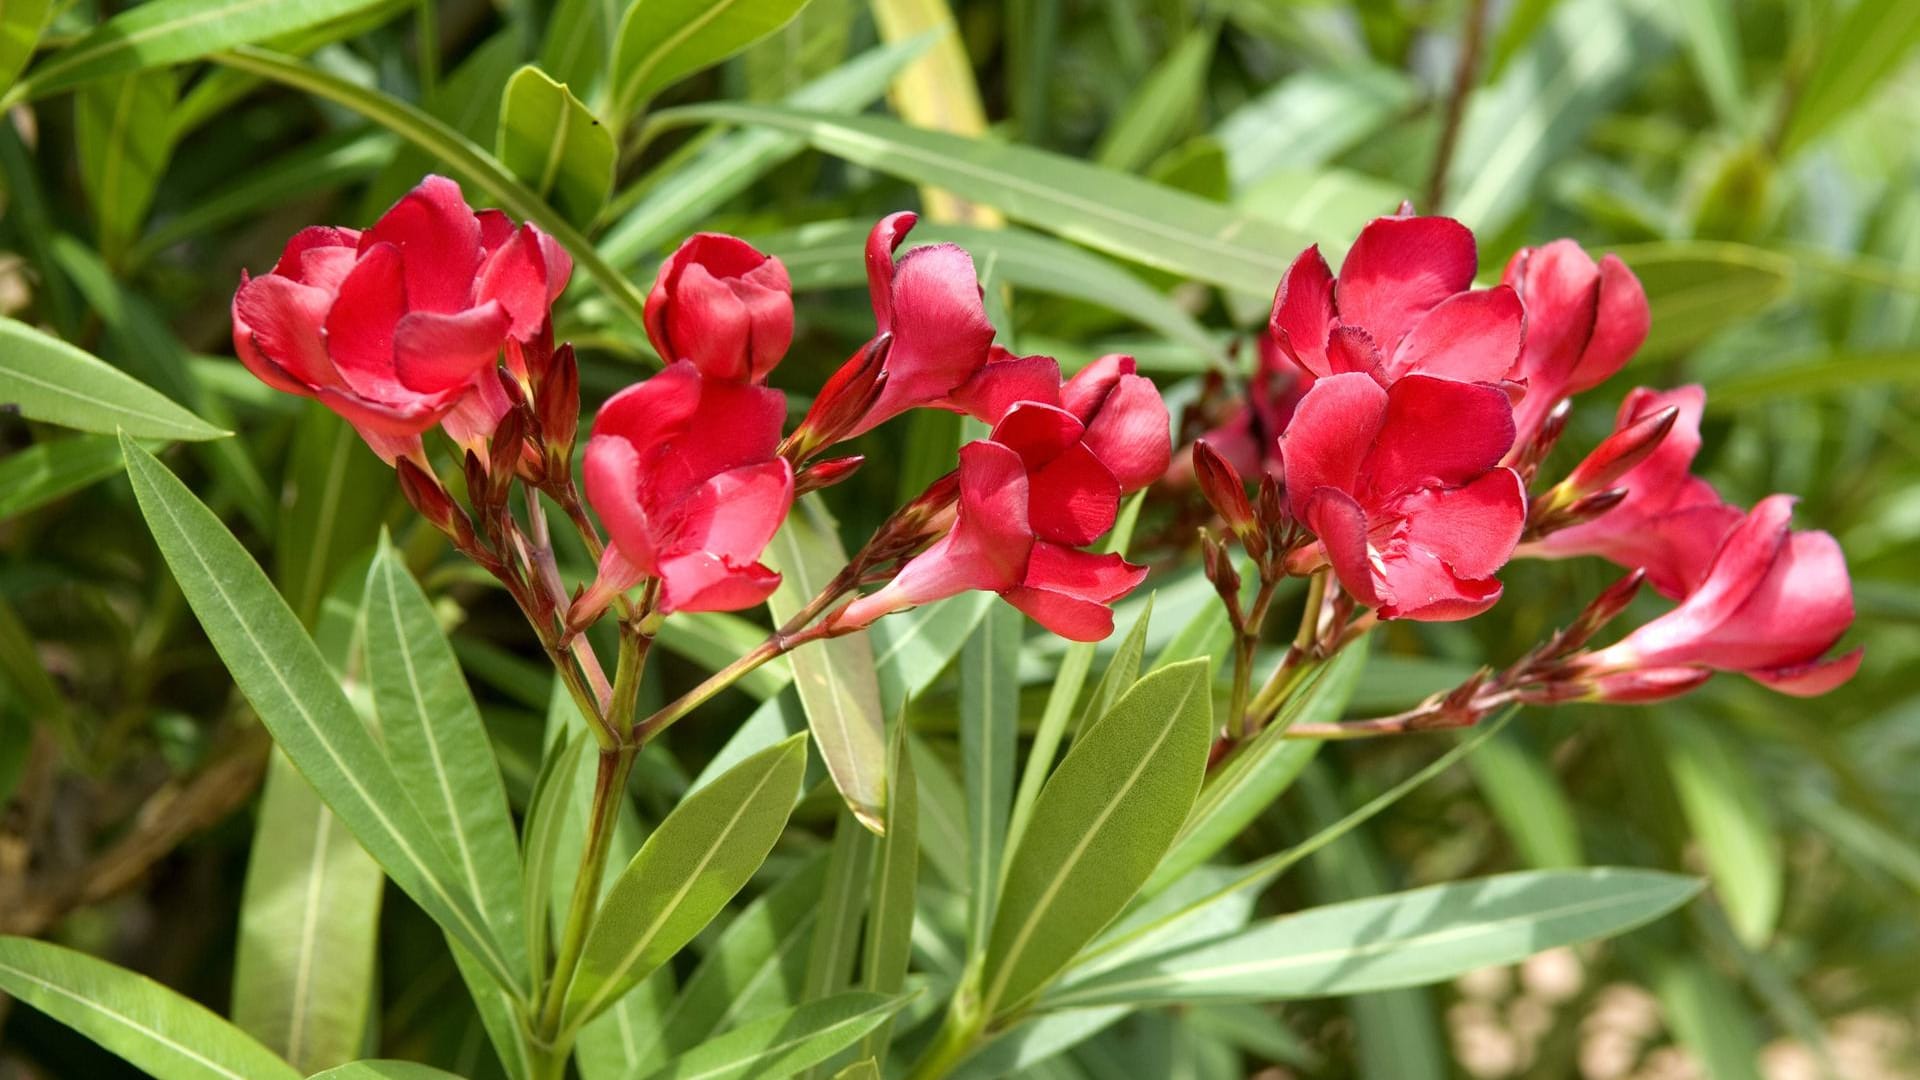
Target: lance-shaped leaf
{"points": [[49, 470], [785, 1043], [159, 1031], [279, 669], [896, 872], [439, 747], [49, 380], [1106, 210], [989, 731], [20, 24], [167, 32], [124, 137], [694, 863], [555, 146], [662, 41], [1246, 784], [838, 686], [385, 1070], [1101, 824], [1403, 939]]}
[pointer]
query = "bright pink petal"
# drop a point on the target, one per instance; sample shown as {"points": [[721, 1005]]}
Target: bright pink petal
{"points": [[885, 236], [1437, 432], [293, 260], [1341, 526], [1400, 268], [1087, 391], [1102, 577], [736, 513], [1131, 433], [496, 228], [1068, 616], [648, 413], [516, 275], [1748, 554], [1303, 312], [1038, 433], [698, 581], [473, 418], [611, 469], [434, 352], [1471, 336], [711, 325], [361, 323], [1560, 286], [400, 424], [438, 239], [1473, 529], [987, 548], [1426, 590], [940, 330], [1333, 427], [1811, 679], [1797, 611], [1002, 384], [1073, 498], [1619, 327], [1351, 349], [277, 326]]}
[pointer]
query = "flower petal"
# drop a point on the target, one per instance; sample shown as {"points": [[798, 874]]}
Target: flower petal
{"points": [[1437, 432], [435, 352], [438, 239], [940, 330], [1072, 498], [1004, 383], [1811, 679], [1398, 269], [1471, 336], [734, 514], [277, 333], [1131, 433], [611, 469], [1303, 312], [361, 323], [1327, 440], [698, 581], [1038, 433], [882, 240], [1473, 529], [1341, 526]]}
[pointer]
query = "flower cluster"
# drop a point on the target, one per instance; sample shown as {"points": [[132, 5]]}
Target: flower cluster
{"points": [[1407, 414]]}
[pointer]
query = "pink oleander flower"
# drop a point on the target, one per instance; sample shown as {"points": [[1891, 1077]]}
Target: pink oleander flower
{"points": [[1047, 482], [400, 327], [1403, 487], [1404, 304], [1773, 603], [683, 472], [723, 305], [1584, 321], [1671, 523]]}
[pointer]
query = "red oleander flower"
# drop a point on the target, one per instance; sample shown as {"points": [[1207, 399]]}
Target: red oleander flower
{"points": [[1670, 523], [1584, 320], [683, 472], [1403, 488], [724, 306], [1047, 482], [1403, 304], [394, 328], [1772, 604]]}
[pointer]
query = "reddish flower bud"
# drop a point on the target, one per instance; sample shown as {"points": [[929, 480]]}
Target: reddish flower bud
{"points": [[559, 410], [425, 495], [1217, 561], [1646, 685], [1600, 611], [724, 306], [1620, 452], [847, 396], [822, 474], [396, 327], [1225, 492]]}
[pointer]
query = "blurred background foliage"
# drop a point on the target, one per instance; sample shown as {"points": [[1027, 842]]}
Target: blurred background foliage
{"points": [[1754, 160]]}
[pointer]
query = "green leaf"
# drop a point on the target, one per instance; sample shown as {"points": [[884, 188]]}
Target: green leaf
{"points": [[337, 490], [1162, 106], [756, 966], [989, 729], [1589, 54], [695, 862], [439, 748], [1713, 39], [1032, 1041], [46, 471], [20, 24], [385, 1070], [555, 145], [1828, 373], [545, 826], [843, 904], [303, 976], [1730, 817], [831, 254], [278, 668], [728, 165], [1311, 117], [786, 1042], [166, 32], [1695, 289], [1404, 939], [663, 41], [1101, 824], [835, 678], [1708, 1016], [1108, 211], [912, 648], [123, 137], [457, 152], [1242, 787], [868, 1069], [51, 381], [896, 874], [1858, 54], [153, 1028], [578, 42], [1525, 795]]}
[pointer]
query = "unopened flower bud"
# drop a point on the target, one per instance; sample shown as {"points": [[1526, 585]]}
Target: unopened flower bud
{"points": [[1648, 684], [505, 453], [1528, 460], [1220, 483], [844, 400], [558, 407], [826, 473], [1601, 611], [1218, 563], [529, 361], [424, 494], [1619, 452]]}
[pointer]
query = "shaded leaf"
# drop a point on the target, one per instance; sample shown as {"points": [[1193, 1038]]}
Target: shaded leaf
{"points": [[555, 145], [51, 381]]}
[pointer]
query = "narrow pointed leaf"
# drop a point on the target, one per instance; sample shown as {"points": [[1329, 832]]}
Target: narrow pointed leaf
{"points": [[694, 863], [989, 730], [123, 137], [896, 874], [1100, 826], [836, 680], [785, 1043], [439, 747], [663, 41], [555, 145], [49, 380], [20, 24], [53, 469], [1403, 939], [385, 1070], [152, 1027], [278, 668]]}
